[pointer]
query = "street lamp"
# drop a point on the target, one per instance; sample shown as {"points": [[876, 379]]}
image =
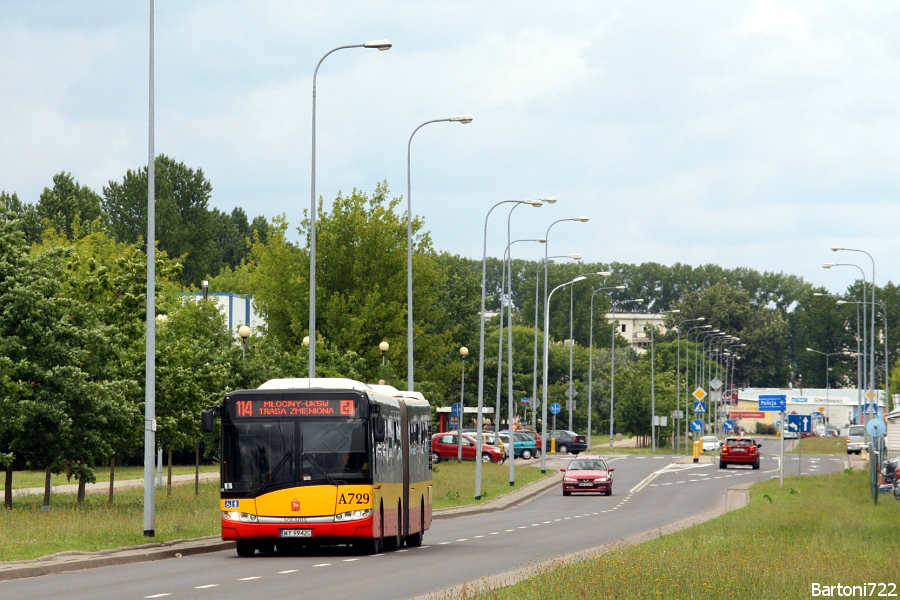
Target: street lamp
{"points": [[547, 371], [677, 329], [503, 283], [570, 407], [872, 336], [379, 45], [827, 356], [612, 369], [537, 290], [653, 376], [861, 381], [479, 421], [464, 119], [591, 359], [887, 377], [463, 352], [244, 332], [384, 347]]}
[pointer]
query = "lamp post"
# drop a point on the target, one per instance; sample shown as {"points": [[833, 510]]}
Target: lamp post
{"points": [[700, 368], [887, 377], [571, 395], [612, 370], [244, 332], [464, 119], [479, 420], [860, 356], [463, 352], [547, 371], [872, 332], [384, 347], [379, 45], [687, 371], [591, 359], [827, 356], [537, 291], [508, 304], [653, 378], [677, 329], [865, 350]]}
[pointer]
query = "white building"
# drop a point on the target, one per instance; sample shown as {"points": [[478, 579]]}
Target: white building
{"points": [[839, 406], [635, 327], [237, 308]]}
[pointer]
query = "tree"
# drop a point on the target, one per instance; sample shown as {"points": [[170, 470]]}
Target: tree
{"points": [[185, 228], [68, 204]]}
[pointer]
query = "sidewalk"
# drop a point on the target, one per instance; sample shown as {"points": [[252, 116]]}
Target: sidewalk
{"points": [[103, 486]]}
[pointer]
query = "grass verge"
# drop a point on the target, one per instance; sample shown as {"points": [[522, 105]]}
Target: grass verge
{"points": [[26, 532], [821, 445], [823, 529], [35, 479], [454, 483]]}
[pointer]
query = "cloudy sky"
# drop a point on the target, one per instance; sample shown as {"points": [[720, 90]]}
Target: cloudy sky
{"points": [[742, 133]]}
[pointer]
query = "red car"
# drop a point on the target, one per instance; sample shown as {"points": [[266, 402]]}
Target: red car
{"points": [[587, 474], [739, 451], [444, 447]]}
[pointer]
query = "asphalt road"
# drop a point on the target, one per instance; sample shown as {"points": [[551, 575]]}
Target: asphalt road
{"points": [[649, 492]]}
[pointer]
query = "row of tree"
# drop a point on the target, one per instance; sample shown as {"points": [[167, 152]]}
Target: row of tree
{"points": [[72, 302]]}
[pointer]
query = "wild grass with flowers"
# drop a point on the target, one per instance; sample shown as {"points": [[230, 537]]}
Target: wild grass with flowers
{"points": [[816, 529]]}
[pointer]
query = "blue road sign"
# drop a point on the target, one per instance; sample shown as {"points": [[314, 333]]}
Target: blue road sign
{"points": [[799, 423], [773, 402], [525, 400], [728, 425], [870, 409], [456, 409], [697, 425], [699, 407], [555, 408]]}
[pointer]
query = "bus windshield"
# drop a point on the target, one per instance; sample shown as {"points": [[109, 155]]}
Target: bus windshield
{"points": [[263, 454]]}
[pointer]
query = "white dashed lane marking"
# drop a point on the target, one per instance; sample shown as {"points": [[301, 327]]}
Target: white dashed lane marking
{"points": [[208, 585]]}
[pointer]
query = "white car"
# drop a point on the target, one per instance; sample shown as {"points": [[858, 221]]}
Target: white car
{"points": [[790, 435], [710, 443]]}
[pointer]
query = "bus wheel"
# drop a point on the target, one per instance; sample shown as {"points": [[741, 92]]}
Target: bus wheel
{"points": [[245, 548], [414, 540], [393, 543]]}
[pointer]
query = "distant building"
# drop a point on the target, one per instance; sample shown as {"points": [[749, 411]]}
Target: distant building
{"points": [[838, 407], [635, 327], [237, 308]]}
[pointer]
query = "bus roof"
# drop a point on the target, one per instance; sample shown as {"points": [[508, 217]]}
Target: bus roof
{"points": [[338, 383]]}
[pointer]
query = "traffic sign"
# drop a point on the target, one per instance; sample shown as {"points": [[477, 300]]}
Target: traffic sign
{"points": [[715, 383], [699, 407], [799, 423], [699, 393], [728, 425], [870, 409], [456, 409], [525, 400], [555, 408], [571, 393], [697, 425], [773, 402], [677, 414], [876, 427]]}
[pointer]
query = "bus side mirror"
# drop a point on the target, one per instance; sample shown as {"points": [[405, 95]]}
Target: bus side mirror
{"points": [[206, 421], [378, 428]]}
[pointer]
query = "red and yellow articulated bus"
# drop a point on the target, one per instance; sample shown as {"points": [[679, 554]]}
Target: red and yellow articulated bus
{"points": [[324, 462]]}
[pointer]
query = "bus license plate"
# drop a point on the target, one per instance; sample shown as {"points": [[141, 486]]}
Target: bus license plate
{"points": [[292, 533]]}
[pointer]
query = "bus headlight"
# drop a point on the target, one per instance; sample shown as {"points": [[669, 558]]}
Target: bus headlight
{"points": [[239, 516], [353, 515]]}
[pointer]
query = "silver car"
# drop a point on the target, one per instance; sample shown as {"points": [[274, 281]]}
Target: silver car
{"points": [[710, 443]]}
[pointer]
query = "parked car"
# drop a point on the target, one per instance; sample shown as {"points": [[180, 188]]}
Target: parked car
{"points": [[856, 439], [710, 443], [444, 447], [790, 435], [536, 437], [587, 473], [566, 441], [739, 451], [523, 446], [489, 437]]}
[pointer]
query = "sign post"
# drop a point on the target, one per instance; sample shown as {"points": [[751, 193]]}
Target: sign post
{"points": [[554, 410], [457, 410], [776, 403]]}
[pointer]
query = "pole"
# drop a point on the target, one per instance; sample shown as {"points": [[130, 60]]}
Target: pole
{"points": [[571, 403], [537, 288], [150, 341], [652, 387]]}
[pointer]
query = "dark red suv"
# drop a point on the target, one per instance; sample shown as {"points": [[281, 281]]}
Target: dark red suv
{"points": [[739, 451]]}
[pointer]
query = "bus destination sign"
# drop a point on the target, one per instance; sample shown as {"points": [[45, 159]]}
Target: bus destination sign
{"points": [[264, 407]]}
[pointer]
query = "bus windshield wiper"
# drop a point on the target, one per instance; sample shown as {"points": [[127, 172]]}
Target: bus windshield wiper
{"points": [[275, 471], [318, 467]]}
